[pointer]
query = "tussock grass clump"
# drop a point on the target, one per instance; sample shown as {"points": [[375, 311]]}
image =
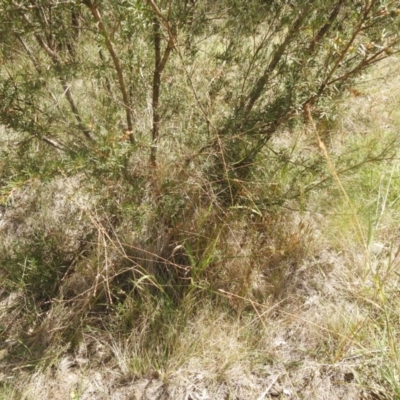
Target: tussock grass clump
{"points": [[135, 259]]}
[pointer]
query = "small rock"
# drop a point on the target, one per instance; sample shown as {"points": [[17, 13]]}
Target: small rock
{"points": [[287, 392]]}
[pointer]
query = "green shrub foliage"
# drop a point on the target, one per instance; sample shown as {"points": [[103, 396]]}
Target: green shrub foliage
{"points": [[107, 80]]}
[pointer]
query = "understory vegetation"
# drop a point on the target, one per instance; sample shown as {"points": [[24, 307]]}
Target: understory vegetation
{"points": [[199, 194]]}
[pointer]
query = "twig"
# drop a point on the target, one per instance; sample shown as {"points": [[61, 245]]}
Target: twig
{"points": [[268, 388]]}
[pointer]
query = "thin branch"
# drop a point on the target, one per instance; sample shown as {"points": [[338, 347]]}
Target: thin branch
{"points": [[159, 65], [30, 53], [156, 89], [378, 56], [159, 14], [259, 86], [172, 40], [57, 62], [53, 143], [356, 32], [325, 29], [117, 64], [66, 88]]}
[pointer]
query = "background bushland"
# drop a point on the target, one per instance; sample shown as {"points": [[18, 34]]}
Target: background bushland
{"points": [[143, 155]]}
